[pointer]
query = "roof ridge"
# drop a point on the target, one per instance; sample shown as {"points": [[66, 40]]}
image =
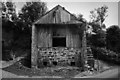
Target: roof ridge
{"points": [[46, 13], [54, 9]]}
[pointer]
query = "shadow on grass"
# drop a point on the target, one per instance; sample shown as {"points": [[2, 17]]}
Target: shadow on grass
{"points": [[21, 70]]}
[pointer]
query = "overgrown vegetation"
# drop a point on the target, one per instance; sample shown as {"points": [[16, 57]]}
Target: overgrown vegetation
{"points": [[105, 42], [98, 16], [106, 55], [17, 40], [16, 28], [16, 31], [113, 38], [65, 72]]}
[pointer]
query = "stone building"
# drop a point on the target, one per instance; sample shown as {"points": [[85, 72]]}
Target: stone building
{"points": [[58, 37]]}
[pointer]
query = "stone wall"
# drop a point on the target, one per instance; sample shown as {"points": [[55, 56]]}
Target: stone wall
{"points": [[61, 56]]}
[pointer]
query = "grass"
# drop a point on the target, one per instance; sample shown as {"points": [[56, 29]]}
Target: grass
{"points": [[64, 72], [54, 71]]}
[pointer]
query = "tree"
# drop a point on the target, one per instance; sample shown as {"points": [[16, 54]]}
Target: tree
{"points": [[98, 16], [113, 38], [32, 11], [8, 19], [8, 11], [80, 17], [8, 15], [97, 40]]}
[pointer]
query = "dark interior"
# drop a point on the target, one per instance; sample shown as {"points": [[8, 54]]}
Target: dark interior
{"points": [[54, 63], [59, 42], [72, 63], [45, 63]]}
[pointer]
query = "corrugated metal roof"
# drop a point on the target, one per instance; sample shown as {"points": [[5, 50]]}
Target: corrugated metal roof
{"points": [[58, 15]]}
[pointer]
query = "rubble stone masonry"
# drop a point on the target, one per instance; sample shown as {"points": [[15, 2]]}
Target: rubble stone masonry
{"points": [[60, 55]]}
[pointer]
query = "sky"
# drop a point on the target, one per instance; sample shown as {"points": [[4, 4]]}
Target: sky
{"points": [[85, 8], [80, 7]]}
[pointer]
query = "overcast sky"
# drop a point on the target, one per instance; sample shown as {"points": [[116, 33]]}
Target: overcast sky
{"points": [[84, 8]]}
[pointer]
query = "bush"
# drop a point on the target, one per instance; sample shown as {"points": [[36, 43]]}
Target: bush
{"points": [[27, 59], [78, 60], [106, 55]]}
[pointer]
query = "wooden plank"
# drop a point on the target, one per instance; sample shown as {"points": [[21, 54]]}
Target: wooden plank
{"points": [[56, 15], [65, 17], [44, 36], [50, 37], [73, 38]]}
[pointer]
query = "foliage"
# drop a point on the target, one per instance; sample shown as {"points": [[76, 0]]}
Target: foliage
{"points": [[97, 40], [8, 11], [96, 27], [78, 60], [62, 72], [80, 18], [8, 16], [113, 38], [8, 19], [16, 30], [99, 15], [102, 38], [106, 55], [32, 11]]}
